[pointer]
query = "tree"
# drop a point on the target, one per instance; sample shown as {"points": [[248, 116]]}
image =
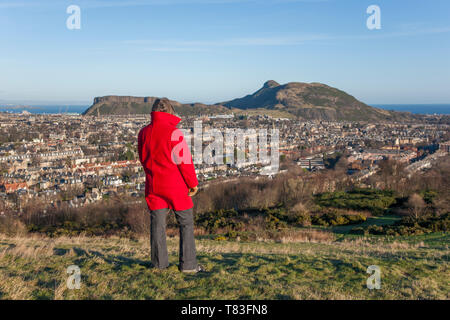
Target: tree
{"points": [[128, 155], [392, 174], [2, 207], [3, 168], [126, 175], [36, 161], [340, 169], [416, 206]]}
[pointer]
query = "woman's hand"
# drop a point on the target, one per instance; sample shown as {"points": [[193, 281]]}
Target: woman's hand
{"points": [[192, 191]]}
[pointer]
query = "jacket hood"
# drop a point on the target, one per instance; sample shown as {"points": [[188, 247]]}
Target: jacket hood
{"points": [[165, 117]]}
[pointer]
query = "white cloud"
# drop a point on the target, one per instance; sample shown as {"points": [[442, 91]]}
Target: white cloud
{"points": [[397, 34], [201, 45], [198, 45], [173, 49], [7, 5], [118, 3], [136, 3]]}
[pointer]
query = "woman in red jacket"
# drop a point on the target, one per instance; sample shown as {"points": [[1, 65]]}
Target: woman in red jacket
{"points": [[170, 183]]}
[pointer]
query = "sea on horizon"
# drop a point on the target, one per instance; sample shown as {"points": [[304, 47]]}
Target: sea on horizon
{"points": [[78, 109], [416, 108], [45, 109]]}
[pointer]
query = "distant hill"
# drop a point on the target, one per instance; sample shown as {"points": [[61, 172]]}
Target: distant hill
{"points": [[313, 101], [308, 101], [123, 105]]}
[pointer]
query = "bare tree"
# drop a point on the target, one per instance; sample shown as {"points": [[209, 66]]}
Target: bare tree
{"points": [[36, 161], [3, 168], [416, 206]]}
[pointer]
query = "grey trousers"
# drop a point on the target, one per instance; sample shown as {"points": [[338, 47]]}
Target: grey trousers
{"points": [[160, 259]]}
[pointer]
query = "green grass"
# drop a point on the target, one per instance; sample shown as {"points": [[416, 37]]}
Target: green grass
{"points": [[375, 201], [115, 268], [379, 221]]}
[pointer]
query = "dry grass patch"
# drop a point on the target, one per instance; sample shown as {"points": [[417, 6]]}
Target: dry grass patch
{"points": [[304, 265]]}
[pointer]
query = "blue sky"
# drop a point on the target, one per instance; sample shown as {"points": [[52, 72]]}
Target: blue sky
{"points": [[215, 50]]}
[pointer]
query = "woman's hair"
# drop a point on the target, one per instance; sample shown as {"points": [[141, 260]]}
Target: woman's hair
{"points": [[163, 105]]}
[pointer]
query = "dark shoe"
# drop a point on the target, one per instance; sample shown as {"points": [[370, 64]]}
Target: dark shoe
{"points": [[196, 270], [152, 266]]}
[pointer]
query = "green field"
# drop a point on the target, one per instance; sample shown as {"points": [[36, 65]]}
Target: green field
{"points": [[377, 221], [415, 267]]}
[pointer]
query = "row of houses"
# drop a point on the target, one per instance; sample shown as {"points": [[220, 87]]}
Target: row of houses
{"points": [[44, 156]]}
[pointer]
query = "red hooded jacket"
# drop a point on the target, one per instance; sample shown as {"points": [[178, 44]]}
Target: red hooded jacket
{"points": [[167, 180]]}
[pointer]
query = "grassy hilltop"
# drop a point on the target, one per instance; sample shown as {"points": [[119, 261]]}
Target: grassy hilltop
{"points": [[317, 252], [311, 265]]}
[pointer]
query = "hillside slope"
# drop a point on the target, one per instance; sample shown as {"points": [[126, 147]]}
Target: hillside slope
{"points": [[312, 101]]}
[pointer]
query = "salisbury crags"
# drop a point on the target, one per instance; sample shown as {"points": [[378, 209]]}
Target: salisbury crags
{"points": [[124, 105]]}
